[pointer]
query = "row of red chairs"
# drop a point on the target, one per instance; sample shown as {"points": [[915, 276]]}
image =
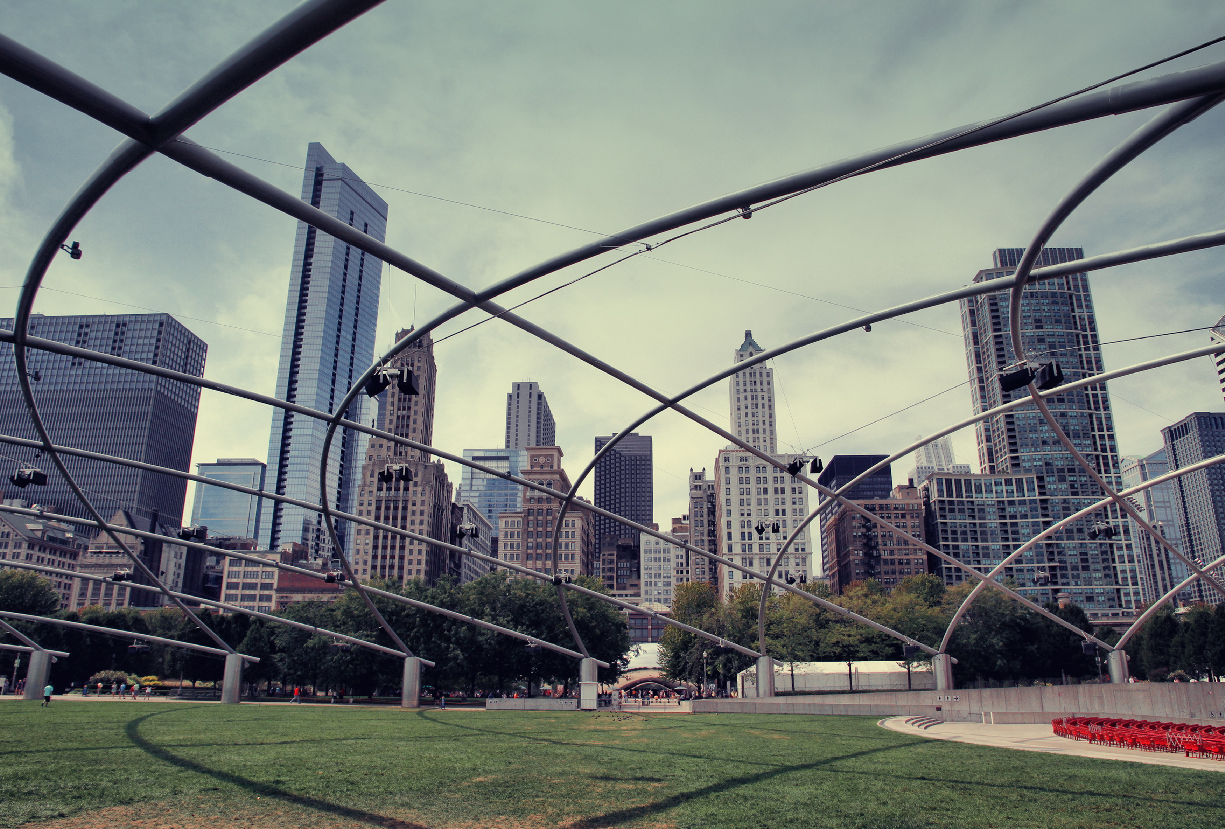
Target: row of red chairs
{"points": [[1193, 740]]}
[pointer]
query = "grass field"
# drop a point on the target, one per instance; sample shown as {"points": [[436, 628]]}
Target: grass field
{"points": [[86, 765]]}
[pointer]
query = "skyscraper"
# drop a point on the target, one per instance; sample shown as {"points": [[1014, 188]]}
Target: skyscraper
{"points": [[224, 511], [1160, 570], [328, 341], [840, 471], [751, 400], [1218, 336], [624, 485], [936, 456], [529, 422], [703, 526], [104, 409], [1058, 324], [490, 494], [421, 503], [1199, 497]]}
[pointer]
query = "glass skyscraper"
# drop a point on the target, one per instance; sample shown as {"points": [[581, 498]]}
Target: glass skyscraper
{"points": [[1160, 569], [1199, 497], [225, 512], [624, 484], [328, 341], [107, 409], [1058, 323], [491, 495]]}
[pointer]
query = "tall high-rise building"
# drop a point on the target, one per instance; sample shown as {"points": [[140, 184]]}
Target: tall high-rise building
{"points": [[1160, 570], [840, 471], [490, 494], [703, 526], [1058, 323], [526, 537], [1218, 336], [624, 485], [529, 422], [1199, 497], [751, 400], [936, 456], [750, 494], [421, 503], [328, 341], [110, 410], [224, 511], [860, 549]]}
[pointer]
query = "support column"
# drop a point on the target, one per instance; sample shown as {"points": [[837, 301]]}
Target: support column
{"points": [[231, 683], [36, 675], [588, 687], [942, 667], [410, 689], [765, 676], [1117, 660]]}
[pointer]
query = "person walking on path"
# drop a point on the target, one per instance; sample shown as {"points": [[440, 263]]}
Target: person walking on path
{"points": [[114, 688], [148, 688], [135, 689], [297, 695], [47, 692], [123, 690]]}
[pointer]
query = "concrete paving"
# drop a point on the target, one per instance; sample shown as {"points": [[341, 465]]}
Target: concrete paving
{"points": [[1039, 738]]}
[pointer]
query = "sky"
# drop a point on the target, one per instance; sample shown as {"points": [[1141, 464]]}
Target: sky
{"points": [[504, 134]]}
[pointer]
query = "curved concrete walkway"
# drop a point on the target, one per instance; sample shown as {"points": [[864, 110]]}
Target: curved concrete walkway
{"points": [[1039, 738]]}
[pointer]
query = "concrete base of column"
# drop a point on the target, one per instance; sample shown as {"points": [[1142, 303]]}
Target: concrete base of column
{"points": [[588, 688], [410, 689], [231, 683], [942, 667], [1117, 660], [36, 675], [765, 676]]}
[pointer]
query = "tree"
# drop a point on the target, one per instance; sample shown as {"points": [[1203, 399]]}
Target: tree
{"points": [[23, 592]]}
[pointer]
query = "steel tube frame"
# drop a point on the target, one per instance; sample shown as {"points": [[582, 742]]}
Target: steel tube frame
{"points": [[313, 574], [260, 57], [25, 617], [27, 649], [1056, 527], [42, 568]]}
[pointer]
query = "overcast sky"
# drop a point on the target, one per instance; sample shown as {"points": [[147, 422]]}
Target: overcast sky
{"points": [[602, 115]]}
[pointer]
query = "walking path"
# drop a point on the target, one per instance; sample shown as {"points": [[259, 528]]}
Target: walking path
{"points": [[1039, 738]]}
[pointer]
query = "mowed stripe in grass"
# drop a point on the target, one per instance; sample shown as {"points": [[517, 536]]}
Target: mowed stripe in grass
{"points": [[81, 764]]}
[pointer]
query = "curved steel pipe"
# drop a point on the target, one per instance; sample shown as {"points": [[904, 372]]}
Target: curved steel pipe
{"points": [[1155, 606], [1056, 527], [125, 634], [313, 574], [1015, 404], [232, 608], [277, 44]]}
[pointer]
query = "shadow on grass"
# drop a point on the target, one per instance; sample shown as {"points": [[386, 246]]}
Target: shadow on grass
{"points": [[132, 730]]}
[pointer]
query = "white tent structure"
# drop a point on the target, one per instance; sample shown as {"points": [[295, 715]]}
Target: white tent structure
{"points": [[827, 677]]}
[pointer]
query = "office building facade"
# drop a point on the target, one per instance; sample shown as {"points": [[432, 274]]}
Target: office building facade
{"points": [[422, 503], [225, 512], [529, 422], [751, 493], [1058, 323], [624, 484], [109, 410], [477, 537], [751, 400], [40, 542], [1160, 570], [328, 342], [860, 549], [179, 568], [703, 526], [1217, 336], [1199, 497], [525, 538], [840, 471], [936, 456], [490, 494]]}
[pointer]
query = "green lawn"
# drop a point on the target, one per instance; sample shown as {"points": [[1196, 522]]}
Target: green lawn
{"points": [[83, 764]]}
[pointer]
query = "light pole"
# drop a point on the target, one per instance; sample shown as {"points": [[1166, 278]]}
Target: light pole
{"points": [[705, 681]]}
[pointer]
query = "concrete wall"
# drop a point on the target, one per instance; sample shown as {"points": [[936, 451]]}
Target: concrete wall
{"points": [[1200, 702], [534, 704]]}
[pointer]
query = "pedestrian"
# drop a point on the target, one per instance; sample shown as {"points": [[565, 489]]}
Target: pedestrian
{"points": [[4, 681], [148, 689], [135, 688], [47, 692], [123, 690], [114, 688], [297, 695], [99, 689]]}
